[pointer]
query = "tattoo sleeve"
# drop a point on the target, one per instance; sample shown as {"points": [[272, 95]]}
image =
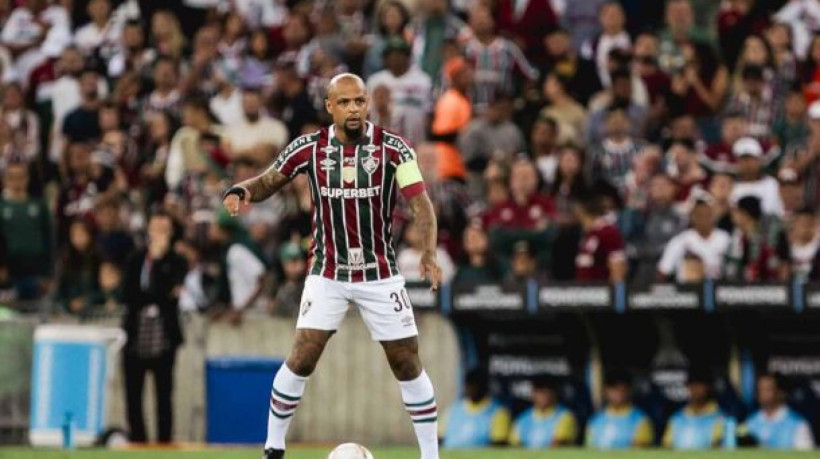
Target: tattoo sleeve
{"points": [[425, 219], [265, 184]]}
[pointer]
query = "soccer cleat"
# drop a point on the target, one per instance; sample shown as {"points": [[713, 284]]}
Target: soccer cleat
{"points": [[271, 453]]}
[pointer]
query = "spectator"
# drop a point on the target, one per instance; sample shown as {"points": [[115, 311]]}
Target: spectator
{"points": [[620, 424], [498, 61], [680, 31], [286, 301], [493, 135], [569, 184], [702, 240], [792, 193], [775, 425], [481, 266], [261, 14], [259, 138], [26, 234], [477, 420], [638, 180], [392, 22], [720, 188], [759, 250], [409, 258], [569, 114], [166, 35], [612, 158], [544, 148], [683, 167], [132, 54], [410, 89], [78, 269], [581, 19], [756, 100], [187, 155], [645, 65], [617, 97], [291, 101], [23, 123], [750, 178], [152, 282], [257, 61], [563, 60], [166, 95], [242, 266], [804, 17], [793, 127], [699, 424], [84, 182], [718, 157], [82, 124], [662, 221], [435, 26], [804, 242], [547, 423], [601, 249], [613, 36], [453, 112], [735, 22], [526, 21], [524, 264], [34, 32], [113, 242], [226, 103], [103, 32], [802, 158], [107, 299], [699, 83]]}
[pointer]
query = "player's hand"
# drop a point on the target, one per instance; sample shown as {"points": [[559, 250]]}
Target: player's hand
{"points": [[233, 204], [430, 270]]}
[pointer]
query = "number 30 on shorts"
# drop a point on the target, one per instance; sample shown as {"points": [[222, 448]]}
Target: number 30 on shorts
{"points": [[401, 299]]}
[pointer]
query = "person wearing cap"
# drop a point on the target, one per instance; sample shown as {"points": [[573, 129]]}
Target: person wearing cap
{"points": [[755, 99], [477, 420], [620, 425], [286, 301], [547, 423], [751, 181], [699, 424], [261, 136], [759, 250], [775, 425], [452, 114], [242, 265], [701, 239], [410, 90]]}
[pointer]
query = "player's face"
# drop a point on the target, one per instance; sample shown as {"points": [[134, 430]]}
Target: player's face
{"points": [[767, 392], [617, 394], [347, 103], [698, 392], [543, 398]]}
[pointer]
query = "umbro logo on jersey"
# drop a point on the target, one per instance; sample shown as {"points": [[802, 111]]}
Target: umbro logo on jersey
{"points": [[370, 148], [328, 149], [327, 164]]}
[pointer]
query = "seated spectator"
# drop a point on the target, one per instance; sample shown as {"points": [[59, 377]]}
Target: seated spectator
{"points": [[190, 154], [132, 54], [286, 301], [291, 101], [409, 257], [569, 184], [23, 123], [645, 64], [113, 241], [453, 112], [544, 148], [493, 135], [25, 234], [638, 180], [775, 425], [693, 270], [260, 137], [242, 266], [620, 425], [613, 36], [562, 59], [699, 424], [803, 157], [108, 299], [759, 251], [804, 242], [661, 222], [524, 264], [702, 241], [82, 124], [547, 423], [477, 420], [566, 111], [718, 156], [612, 157], [756, 100], [33, 32], [619, 96], [481, 265], [600, 255], [77, 282], [792, 128], [699, 84], [683, 167], [751, 181], [84, 182], [792, 193], [720, 188]]}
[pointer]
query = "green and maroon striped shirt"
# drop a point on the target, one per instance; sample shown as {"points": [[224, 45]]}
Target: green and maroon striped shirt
{"points": [[353, 190]]}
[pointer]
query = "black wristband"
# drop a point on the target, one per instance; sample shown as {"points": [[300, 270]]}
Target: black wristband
{"points": [[239, 191]]}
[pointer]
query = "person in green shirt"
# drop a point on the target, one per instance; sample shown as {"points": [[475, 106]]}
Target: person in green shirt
{"points": [[25, 229]]}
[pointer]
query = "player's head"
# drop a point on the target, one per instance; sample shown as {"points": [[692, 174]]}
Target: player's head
{"points": [[771, 390], [544, 392], [699, 385], [347, 103], [477, 384], [618, 388]]}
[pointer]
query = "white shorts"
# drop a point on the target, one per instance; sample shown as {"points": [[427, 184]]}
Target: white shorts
{"points": [[383, 304]]}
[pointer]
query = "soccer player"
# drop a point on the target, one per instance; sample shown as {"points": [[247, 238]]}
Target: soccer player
{"points": [[355, 171]]}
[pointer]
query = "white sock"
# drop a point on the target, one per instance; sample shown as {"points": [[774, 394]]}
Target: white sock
{"points": [[284, 398], [420, 403]]}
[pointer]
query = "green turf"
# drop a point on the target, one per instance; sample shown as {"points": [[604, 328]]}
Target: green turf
{"points": [[399, 453]]}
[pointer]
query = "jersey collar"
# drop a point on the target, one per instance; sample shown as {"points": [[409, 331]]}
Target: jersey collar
{"points": [[365, 140]]}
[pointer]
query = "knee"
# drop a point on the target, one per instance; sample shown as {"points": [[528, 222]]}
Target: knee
{"points": [[303, 361], [406, 366]]}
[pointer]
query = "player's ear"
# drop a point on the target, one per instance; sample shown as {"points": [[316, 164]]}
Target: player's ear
{"points": [[327, 106]]}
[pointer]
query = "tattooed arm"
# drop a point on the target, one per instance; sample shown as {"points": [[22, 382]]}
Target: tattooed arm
{"points": [[256, 189], [424, 219]]}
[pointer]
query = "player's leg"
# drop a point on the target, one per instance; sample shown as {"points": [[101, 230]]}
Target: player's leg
{"points": [[324, 303], [388, 314]]}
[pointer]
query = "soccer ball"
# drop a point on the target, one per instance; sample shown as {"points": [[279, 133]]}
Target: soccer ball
{"points": [[350, 451]]}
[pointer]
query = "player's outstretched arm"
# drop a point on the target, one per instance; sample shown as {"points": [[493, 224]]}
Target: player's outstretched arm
{"points": [[255, 189], [425, 221]]}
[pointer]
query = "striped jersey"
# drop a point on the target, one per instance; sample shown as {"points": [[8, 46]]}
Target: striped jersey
{"points": [[496, 66], [353, 190]]}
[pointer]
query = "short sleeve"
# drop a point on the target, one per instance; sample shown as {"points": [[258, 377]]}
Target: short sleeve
{"points": [[295, 158], [500, 428], [567, 429], [643, 434], [671, 256]]}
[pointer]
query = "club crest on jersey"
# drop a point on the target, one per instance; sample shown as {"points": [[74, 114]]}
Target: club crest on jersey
{"points": [[370, 164], [327, 164]]}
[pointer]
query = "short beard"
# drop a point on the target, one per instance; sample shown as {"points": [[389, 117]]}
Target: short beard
{"points": [[353, 134], [252, 117]]}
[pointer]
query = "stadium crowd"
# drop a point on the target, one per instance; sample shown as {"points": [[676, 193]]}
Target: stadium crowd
{"points": [[588, 140]]}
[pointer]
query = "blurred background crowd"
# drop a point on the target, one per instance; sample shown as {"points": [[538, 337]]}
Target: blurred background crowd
{"points": [[593, 140]]}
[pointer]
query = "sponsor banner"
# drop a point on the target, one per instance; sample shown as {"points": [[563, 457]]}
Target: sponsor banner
{"points": [[488, 297], [552, 297], [421, 297], [753, 296], [661, 297], [812, 298]]}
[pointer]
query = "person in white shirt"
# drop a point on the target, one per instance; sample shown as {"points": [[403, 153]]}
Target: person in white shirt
{"points": [[750, 178], [804, 241], [34, 32], [261, 13], [613, 36], [100, 30], [410, 91], [409, 258], [702, 240], [804, 18], [260, 137]]}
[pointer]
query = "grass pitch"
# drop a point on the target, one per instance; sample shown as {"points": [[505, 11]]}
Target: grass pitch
{"points": [[398, 453]]}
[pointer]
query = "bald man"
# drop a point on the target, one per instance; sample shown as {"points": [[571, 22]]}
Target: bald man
{"points": [[355, 170]]}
